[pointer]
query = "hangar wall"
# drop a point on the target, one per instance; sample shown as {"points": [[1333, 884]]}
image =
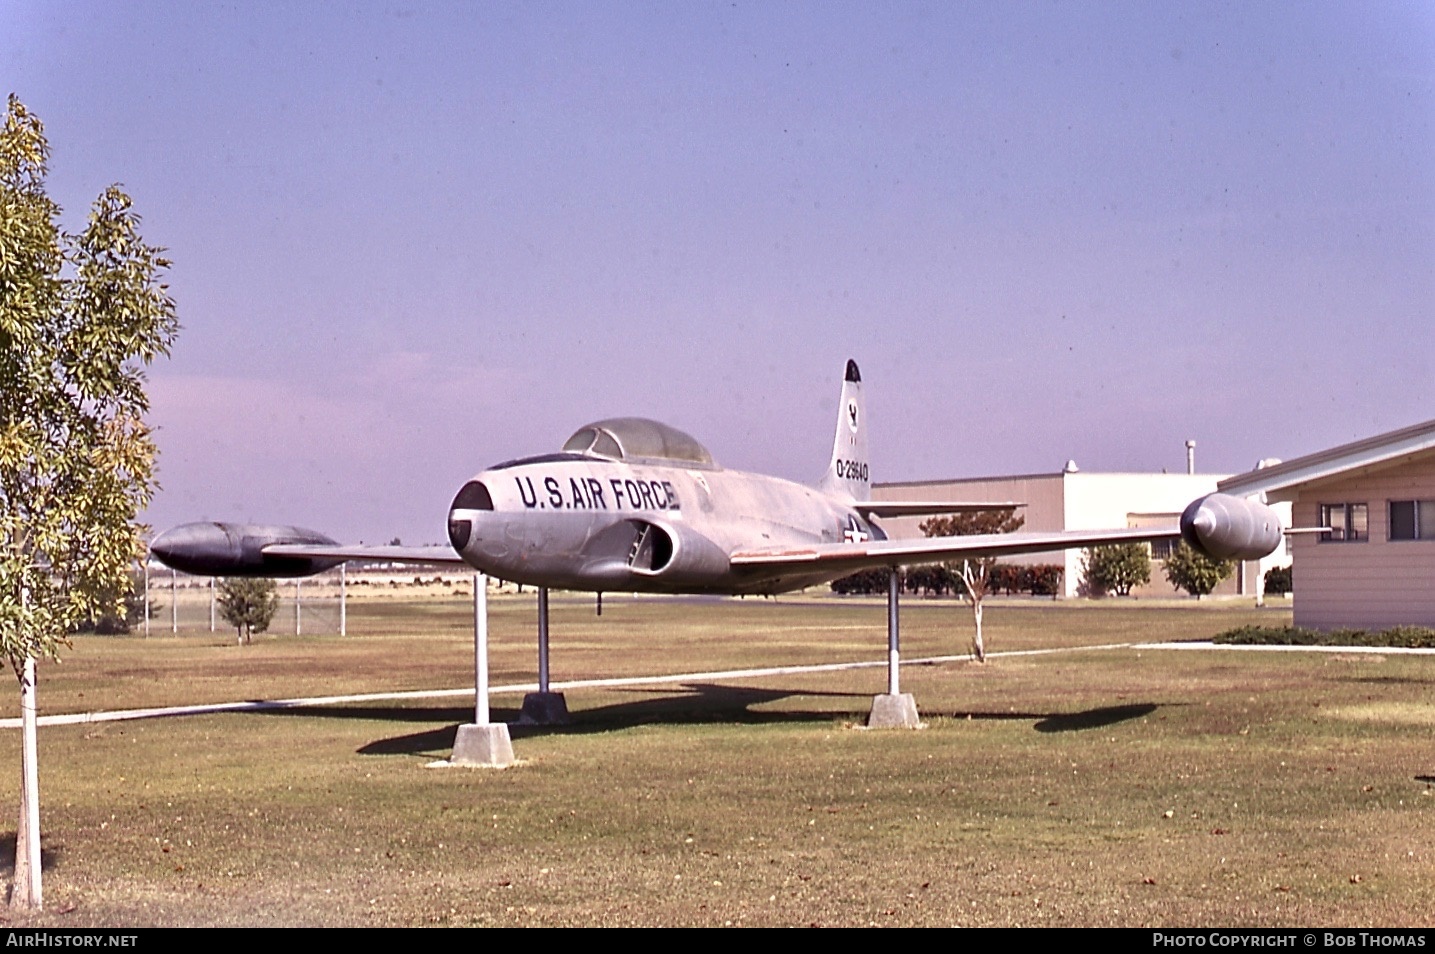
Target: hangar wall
{"points": [[1075, 500]]}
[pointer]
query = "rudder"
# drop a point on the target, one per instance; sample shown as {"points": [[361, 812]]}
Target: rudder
{"points": [[847, 473]]}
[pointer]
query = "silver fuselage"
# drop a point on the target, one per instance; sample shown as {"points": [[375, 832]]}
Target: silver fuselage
{"points": [[587, 523]]}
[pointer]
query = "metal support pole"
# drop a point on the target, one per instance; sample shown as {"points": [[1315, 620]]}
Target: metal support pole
{"points": [[174, 601], [483, 743], [30, 795], [543, 639], [146, 596], [298, 622], [893, 655], [480, 649], [343, 599], [213, 589]]}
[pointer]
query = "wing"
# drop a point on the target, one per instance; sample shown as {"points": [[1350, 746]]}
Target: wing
{"points": [[859, 556], [923, 508], [432, 556]]}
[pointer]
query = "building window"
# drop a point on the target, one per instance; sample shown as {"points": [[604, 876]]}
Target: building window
{"points": [[1412, 519], [1348, 522], [1161, 549]]}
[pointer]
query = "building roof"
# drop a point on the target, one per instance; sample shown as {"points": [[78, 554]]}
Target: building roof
{"points": [[1283, 481]]}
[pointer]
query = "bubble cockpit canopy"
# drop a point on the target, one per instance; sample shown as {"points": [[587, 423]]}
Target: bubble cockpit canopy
{"points": [[637, 438]]}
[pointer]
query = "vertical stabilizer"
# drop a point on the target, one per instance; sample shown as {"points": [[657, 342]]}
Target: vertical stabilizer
{"points": [[847, 474]]}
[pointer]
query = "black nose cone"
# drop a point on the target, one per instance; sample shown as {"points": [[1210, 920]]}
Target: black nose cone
{"points": [[473, 496]]}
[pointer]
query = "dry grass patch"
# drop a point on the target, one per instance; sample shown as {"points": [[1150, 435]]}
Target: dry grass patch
{"points": [[1110, 787]]}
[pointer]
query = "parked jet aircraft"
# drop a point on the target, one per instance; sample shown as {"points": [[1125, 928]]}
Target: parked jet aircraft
{"points": [[633, 505]]}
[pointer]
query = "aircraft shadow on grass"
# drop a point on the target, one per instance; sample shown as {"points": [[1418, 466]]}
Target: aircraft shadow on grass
{"points": [[1069, 721], [698, 704], [1387, 680]]}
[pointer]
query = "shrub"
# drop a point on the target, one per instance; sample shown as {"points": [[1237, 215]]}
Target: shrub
{"points": [[1044, 579], [1414, 637], [863, 582], [1278, 581], [1008, 578], [931, 580]]}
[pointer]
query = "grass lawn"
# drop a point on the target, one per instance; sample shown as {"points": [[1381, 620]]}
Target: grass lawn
{"points": [[1104, 787]]}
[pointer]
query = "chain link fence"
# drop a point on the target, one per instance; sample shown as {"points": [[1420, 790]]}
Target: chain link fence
{"points": [[182, 604]]}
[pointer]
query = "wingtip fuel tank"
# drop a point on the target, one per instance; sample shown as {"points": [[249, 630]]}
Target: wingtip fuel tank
{"points": [[1225, 527], [237, 549]]}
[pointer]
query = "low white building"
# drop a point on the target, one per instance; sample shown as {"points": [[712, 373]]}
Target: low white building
{"points": [[1074, 500]]}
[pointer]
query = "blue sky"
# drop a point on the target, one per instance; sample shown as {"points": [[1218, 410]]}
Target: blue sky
{"points": [[410, 240]]}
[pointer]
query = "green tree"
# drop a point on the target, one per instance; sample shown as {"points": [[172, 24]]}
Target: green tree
{"points": [[1194, 572], [80, 317], [975, 573], [1116, 568], [248, 605]]}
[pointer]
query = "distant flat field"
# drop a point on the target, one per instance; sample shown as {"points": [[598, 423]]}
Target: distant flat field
{"points": [[1091, 787]]}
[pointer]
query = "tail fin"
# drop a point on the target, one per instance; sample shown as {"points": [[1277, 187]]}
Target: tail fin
{"points": [[847, 474]]}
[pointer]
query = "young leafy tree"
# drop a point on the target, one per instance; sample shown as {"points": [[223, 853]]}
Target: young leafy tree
{"points": [[1116, 568], [975, 573], [1194, 572], [80, 317], [248, 605]]}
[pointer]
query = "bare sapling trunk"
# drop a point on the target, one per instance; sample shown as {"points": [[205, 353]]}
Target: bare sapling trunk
{"points": [[978, 647], [25, 890], [975, 581]]}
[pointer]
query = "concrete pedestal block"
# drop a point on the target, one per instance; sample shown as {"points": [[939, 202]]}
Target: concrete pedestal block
{"points": [[483, 745], [544, 708], [894, 712]]}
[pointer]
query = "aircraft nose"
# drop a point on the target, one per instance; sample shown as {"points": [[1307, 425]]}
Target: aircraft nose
{"points": [[164, 546], [472, 496]]}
